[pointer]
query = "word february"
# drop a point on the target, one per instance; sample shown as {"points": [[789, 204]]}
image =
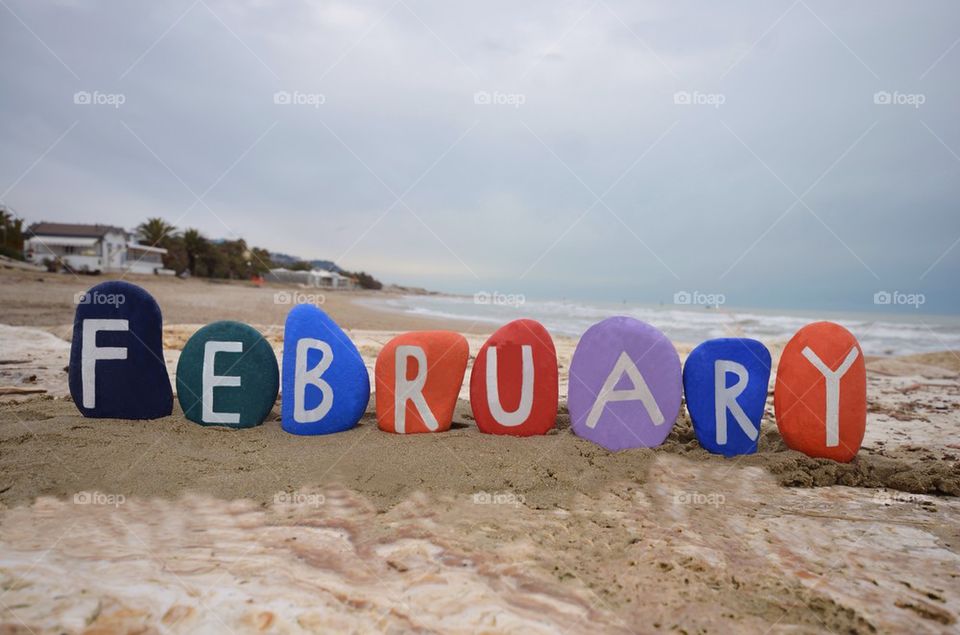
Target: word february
{"points": [[626, 381]]}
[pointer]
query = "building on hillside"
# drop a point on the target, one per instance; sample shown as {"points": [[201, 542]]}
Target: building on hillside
{"points": [[318, 278], [91, 249]]}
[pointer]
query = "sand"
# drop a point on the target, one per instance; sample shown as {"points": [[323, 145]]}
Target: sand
{"points": [[121, 525]]}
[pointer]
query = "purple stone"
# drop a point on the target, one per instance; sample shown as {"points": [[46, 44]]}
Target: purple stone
{"points": [[625, 385]]}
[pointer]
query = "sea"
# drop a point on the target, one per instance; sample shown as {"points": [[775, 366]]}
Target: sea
{"points": [[879, 334]]}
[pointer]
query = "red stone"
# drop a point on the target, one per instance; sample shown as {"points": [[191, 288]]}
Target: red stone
{"points": [[517, 416], [802, 394], [433, 365]]}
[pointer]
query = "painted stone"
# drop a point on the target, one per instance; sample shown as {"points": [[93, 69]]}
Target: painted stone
{"points": [[514, 384], [820, 396], [227, 376], [625, 385], [725, 382], [116, 356], [325, 382], [418, 377]]}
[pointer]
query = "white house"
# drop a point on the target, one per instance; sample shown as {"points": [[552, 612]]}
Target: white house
{"points": [[320, 278], [91, 248]]}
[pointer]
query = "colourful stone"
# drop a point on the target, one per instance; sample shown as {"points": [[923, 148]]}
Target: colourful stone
{"points": [[116, 356], [325, 382], [625, 386], [820, 396], [725, 383], [514, 386], [227, 376], [418, 377]]}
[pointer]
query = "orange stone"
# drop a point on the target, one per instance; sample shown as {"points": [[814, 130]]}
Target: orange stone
{"points": [[820, 397], [418, 376]]}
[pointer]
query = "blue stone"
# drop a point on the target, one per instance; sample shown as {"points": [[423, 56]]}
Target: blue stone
{"points": [[227, 376], [334, 386], [739, 370], [116, 356]]}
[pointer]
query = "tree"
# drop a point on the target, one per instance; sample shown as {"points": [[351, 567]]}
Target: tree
{"points": [[365, 280], [196, 247], [155, 232], [11, 234], [176, 256]]}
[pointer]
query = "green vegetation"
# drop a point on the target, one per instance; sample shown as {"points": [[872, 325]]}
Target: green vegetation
{"points": [[11, 234], [191, 251]]}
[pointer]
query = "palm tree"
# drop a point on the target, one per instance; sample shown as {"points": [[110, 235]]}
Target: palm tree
{"points": [[155, 231], [196, 246]]}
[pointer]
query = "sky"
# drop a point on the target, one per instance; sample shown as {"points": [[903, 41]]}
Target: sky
{"points": [[783, 154]]}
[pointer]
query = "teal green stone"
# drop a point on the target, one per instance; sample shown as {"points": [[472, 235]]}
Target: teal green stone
{"points": [[244, 365]]}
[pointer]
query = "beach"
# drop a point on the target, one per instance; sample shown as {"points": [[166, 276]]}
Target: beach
{"points": [[164, 525]]}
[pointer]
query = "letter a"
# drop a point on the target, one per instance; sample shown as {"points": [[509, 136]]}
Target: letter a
{"points": [[639, 391]]}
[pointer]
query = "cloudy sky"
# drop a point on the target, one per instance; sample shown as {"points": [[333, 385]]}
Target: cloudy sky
{"points": [[790, 153]]}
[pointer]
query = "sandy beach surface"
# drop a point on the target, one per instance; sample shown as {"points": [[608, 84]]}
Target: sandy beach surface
{"points": [[110, 526]]}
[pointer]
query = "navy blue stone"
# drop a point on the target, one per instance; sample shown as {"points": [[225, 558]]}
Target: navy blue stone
{"points": [[133, 385], [699, 384], [337, 397]]}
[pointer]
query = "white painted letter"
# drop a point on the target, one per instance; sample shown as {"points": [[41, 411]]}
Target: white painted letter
{"points": [[212, 380], [90, 353], [724, 398], [303, 376], [639, 391], [832, 378], [411, 390], [519, 415]]}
